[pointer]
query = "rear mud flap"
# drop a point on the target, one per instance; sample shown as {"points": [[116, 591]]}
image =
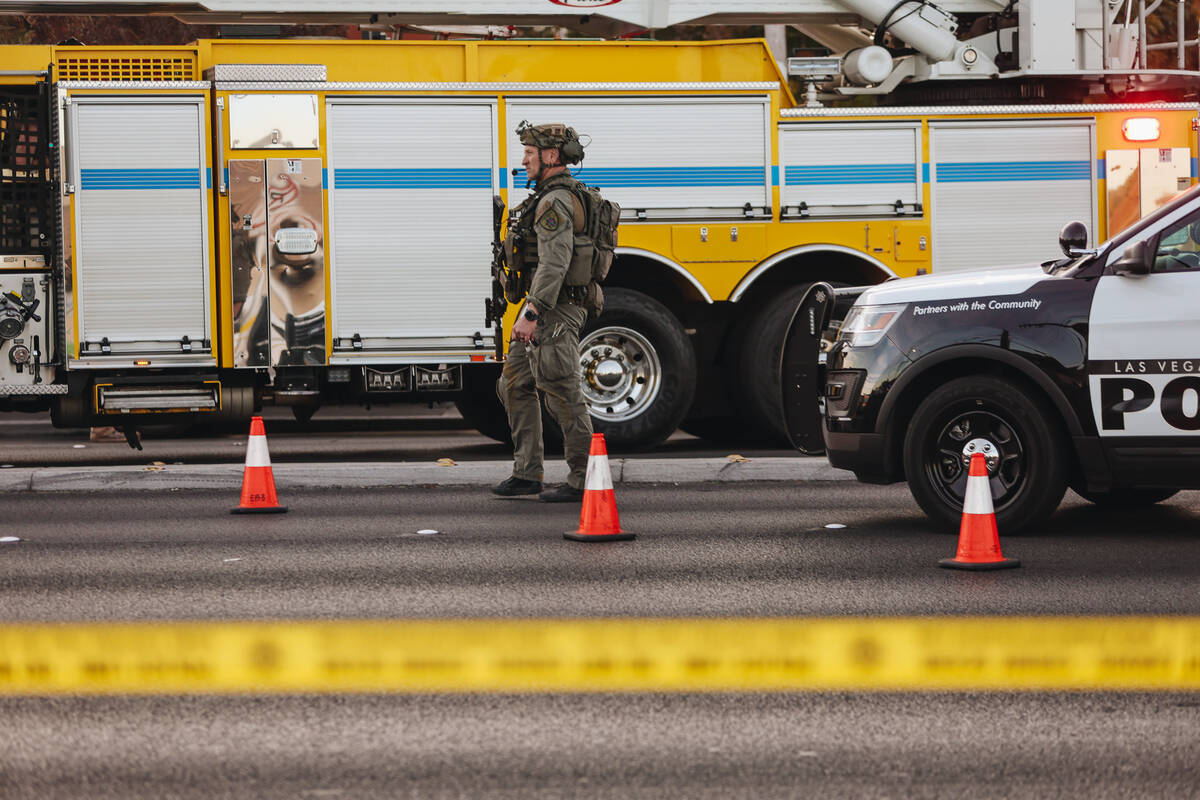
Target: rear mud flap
{"points": [[802, 373]]}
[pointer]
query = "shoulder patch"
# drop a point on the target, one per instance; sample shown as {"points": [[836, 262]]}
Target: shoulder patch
{"points": [[550, 220]]}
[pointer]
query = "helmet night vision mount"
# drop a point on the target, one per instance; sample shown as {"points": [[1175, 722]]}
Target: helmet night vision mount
{"points": [[570, 149]]}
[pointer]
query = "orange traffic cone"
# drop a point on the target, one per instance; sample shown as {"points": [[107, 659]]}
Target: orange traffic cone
{"points": [[258, 482], [598, 521], [978, 539]]}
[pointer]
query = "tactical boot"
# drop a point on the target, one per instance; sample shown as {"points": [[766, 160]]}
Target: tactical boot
{"points": [[562, 494], [512, 487]]}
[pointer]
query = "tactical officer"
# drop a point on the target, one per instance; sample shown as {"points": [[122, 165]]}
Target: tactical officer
{"points": [[543, 354]]}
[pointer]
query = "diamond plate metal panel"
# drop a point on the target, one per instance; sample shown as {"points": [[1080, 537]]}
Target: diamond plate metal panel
{"points": [[929, 111], [127, 85], [7, 390], [268, 72], [431, 86]]}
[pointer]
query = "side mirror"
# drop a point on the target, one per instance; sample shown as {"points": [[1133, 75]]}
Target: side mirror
{"points": [[1073, 238], [1137, 259]]}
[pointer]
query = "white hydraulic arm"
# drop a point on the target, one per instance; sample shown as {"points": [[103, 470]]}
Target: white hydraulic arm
{"points": [[1030, 38]]}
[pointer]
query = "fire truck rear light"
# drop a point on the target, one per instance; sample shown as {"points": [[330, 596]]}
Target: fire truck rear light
{"points": [[1140, 129]]}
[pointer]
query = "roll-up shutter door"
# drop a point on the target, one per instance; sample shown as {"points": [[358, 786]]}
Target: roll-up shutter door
{"points": [[847, 170], [411, 187], [141, 223], [1002, 191], [668, 157]]}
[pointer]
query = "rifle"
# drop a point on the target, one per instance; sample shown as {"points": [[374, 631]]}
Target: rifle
{"points": [[496, 305]]}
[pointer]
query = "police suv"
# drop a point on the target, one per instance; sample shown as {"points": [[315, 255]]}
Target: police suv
{"points": [[1083, 372]]}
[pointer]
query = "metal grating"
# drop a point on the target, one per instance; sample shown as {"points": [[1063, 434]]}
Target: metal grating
{"points": [[126, 68], [27, 186]]}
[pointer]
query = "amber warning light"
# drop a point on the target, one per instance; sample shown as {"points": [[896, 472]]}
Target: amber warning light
{"points": [[1140, 129]]}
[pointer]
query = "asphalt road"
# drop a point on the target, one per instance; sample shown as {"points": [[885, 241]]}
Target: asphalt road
{"points": [[715, 550], [703, 550]]}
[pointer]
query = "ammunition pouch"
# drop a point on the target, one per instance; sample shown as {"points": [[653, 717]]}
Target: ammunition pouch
{"points": [[589, 297], [579, 273], [594, 304]]}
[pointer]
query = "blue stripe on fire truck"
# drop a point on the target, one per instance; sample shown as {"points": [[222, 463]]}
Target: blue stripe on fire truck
{"points": [[465, 178], [979, 171], [140, 179], [673, 176], [826, 174]]}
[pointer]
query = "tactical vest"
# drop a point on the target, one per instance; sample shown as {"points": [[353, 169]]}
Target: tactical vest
{"points": [[525, 255]]}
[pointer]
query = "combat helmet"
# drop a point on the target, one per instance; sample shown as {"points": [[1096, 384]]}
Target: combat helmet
{"points": [[553, 135]]}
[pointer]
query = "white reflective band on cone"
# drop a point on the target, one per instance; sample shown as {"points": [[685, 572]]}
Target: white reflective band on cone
{"points": [[256, 452], [598, 476], [979, 496]]}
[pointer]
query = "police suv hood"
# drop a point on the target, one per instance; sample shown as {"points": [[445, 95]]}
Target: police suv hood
{"points": [[955, 285]]}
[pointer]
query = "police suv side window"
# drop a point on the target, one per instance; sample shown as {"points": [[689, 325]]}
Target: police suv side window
{"points": [[1179, 246]]}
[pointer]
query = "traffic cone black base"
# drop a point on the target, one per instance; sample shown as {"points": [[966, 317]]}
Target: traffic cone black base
{"points": [[272, 510], [1005, 563], [599, 537]]}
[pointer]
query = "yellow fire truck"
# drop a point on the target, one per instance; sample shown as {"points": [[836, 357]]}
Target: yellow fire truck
{"points": [[198, 230]]}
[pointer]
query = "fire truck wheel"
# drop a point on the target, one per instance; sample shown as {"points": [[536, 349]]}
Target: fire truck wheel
{"points": [[479, 404], [723, 430], [69, 411], [1027, 454], [482, 409], [638, 370], [1127, 498], [237, 404], [759, 395]]}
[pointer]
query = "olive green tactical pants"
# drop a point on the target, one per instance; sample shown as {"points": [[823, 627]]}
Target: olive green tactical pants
{"points": [[551, 366]]}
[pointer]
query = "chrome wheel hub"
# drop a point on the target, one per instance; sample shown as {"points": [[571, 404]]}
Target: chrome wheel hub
{"points": [[621, 373], [990, 452]]}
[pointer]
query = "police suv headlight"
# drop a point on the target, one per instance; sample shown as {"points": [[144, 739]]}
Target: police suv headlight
{"points": [[866, 325]]}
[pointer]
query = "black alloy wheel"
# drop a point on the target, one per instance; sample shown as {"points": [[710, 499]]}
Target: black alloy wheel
{"points": [[1015, 431]]}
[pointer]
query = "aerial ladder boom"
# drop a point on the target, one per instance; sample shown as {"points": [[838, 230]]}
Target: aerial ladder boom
{"points": [[1099, 41]]}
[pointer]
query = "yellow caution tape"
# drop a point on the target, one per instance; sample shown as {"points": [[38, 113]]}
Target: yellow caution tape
{"points": [[600, 655]]}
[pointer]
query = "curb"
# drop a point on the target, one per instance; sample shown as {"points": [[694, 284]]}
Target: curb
{"points": [[628, 471]]}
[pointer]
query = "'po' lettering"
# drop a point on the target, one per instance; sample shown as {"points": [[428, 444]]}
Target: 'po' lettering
{"points": [[1121, 396]]}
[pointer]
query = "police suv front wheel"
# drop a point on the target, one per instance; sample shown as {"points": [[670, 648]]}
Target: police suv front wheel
{"points": [[638, 370], [1015, 431]]}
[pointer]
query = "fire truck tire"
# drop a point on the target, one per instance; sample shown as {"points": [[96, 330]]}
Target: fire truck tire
{"points": [[237, 403], [1127, 498], [759, 396], [69, 411], [482, 409], [480, 406], [639, 370], [723, 430], [1030, 473]]}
